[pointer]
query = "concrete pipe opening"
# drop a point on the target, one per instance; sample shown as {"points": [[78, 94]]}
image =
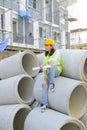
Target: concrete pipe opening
{"points": [[25, 90], [85, 70], [71, 126], [29, 61], [19, 119], [77, 101]]}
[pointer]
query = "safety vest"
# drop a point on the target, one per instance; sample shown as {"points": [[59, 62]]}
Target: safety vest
{"points": [[58, 63]]}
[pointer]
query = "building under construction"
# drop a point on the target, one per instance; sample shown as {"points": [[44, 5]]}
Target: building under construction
{"points": [[30, 22]]}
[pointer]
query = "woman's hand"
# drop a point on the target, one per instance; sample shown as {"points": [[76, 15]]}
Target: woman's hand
{"points": [[45, 63], [51, 63], [41, 67]]}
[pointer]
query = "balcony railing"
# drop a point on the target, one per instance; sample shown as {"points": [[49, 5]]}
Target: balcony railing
{"points": [[11, 4], [23, 39], [36, 14]]}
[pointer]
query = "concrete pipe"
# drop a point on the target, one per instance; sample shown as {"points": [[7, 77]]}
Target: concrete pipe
{"points": [[12, 117], [84, 119], [19, 64], [74, 63], [17, 89], [51, 120], [70, 96], [35, 104], [40, 58]]}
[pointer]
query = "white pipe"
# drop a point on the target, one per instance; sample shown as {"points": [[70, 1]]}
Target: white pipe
{"points": [[44, 68], [51, 120], [20, 63], [74, 63], [70, 96], [12, 117], [17, 89]]}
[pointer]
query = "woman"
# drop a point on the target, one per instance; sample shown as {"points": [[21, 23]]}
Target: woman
{"points": [[51, 57]]}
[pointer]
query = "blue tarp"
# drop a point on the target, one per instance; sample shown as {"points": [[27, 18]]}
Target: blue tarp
{"points": [[4, 43], [25, 14]]}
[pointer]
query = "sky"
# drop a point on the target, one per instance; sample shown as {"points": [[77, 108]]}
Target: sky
{"points": [[79, 11]]}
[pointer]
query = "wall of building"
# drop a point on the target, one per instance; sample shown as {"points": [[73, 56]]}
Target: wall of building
{"points": [[47, 20]]}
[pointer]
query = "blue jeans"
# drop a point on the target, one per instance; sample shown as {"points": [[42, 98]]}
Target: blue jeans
{"points": [[52, 73]]}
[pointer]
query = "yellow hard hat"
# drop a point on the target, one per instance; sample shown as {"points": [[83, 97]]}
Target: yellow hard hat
{"points": [[49, 41]]}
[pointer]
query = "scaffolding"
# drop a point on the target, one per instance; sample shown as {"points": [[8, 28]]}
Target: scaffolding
{"points": [[76, 36], [66, 3]]}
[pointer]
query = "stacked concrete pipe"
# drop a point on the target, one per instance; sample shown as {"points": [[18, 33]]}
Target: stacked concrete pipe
{"points": [[12, 117], [17, 89], [51, 120], [70, 96], [74, 63], [20, 63]]}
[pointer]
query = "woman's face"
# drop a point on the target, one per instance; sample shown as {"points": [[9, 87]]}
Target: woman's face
{"points": [[48, 48]]}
